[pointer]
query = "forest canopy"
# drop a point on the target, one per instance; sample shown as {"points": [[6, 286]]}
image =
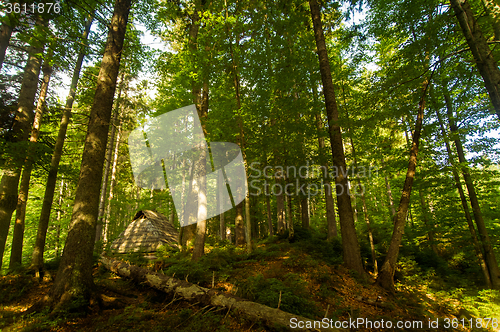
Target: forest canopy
{"points": [[371, 124]]}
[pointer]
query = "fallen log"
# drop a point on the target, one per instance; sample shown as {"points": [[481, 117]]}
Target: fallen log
{"points": [[270, 316]]}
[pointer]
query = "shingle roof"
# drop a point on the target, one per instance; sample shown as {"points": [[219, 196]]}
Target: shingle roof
{"points": [[148, 231]]}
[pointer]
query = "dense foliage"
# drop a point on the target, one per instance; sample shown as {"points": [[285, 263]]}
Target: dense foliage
{"points": [[255, 63]]}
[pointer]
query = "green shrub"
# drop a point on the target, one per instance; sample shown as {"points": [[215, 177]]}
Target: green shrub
{"points": [[303, 234], [306, 263], [295, 297], [316, 246], [194, 272]]}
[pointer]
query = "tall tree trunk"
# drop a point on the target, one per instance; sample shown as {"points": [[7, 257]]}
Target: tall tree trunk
{"points": [[48, 198], [351, 251], [280, 207], [370, 233], [107, 167], [289, 218], [268, 211], [365, 211], [485, 61], [5, 34], [489, 254], [18, 237], [386, 275], [389, 194], [241, 234], [189, 232], [239, 230], [363, 198], [199, 243], [304, 210], [58, 218], [330, 207], [354, 209], [107, 213], [221, 187], [74, 277], [20, 133], [451, 160], [248, 220], [201, 226], [428, 221]]}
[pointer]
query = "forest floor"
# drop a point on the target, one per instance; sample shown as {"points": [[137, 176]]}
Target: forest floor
{"points": [[294, 275]]}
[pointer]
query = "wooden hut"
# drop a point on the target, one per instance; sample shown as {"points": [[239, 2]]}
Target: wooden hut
{"points": [[146, 233]]}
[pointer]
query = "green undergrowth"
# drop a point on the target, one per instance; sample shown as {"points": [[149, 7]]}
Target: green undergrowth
{"points": [[288, 293], [448, 283], [275, 273], [13, 287], [266, 283], [302, 276]]}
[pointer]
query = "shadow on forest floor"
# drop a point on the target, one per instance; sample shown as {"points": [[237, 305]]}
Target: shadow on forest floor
{"points": [[304, 277]]}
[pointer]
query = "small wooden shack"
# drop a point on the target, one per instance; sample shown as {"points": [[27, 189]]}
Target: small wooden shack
{"points": [[146, 233]]}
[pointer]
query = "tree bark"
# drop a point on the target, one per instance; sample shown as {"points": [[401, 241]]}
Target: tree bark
{"points": [[289, 219], [48, 198], [74, 277], [331, 218], [239, 232], [280, 206], [248, 220], [107, 167], [187, 233], [221, 186], [365, 209], [5, 34], [330, 205], [18, 237], [489, 254], [304, 210], [362, 188], [58, 218], [107, 213], [386, 276], [451, 160], [268, 212], [271, 316], [389, 195], [242, 229], [485, 61], [201, 171], [20, 133], [351, 251], [370, 233]]}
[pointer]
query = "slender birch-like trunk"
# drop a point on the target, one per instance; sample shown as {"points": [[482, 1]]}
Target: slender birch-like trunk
{"points": [[451, 160], [489, 254], [386, 276], [48, 198], [18, 236], [20, 132], [351, 250]]}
